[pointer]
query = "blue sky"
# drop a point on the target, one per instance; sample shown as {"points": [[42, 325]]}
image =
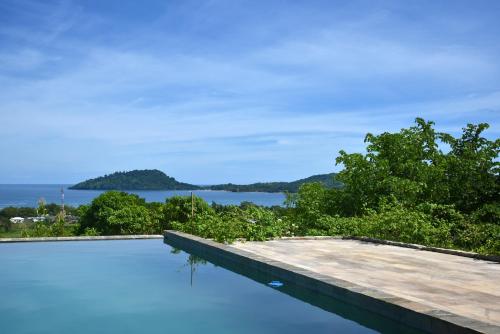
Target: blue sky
{"points": [[233, 91]]}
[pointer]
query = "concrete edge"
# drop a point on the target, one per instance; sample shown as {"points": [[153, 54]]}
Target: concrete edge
{"points": [[413, 314], [83, 238], [492, 258]]}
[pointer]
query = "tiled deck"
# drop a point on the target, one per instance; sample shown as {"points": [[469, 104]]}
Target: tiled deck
{"points": [[459, 285]]}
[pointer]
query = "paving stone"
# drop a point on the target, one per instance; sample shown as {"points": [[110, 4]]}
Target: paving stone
{"points": [[448, 283]]}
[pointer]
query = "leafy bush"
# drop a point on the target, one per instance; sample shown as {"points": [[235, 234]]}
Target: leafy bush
{"points": [[47, 229], [132, 219], [409, 166], [179, 209], [232, 222], [115, 212], [406, 189], [401, 224], [488, 213], [90, 232]]}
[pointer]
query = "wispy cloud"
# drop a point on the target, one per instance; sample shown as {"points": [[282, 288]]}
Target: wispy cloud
{"points": [[214, 92]]}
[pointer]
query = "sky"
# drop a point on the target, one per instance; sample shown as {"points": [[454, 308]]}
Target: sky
{"points": [[233, 91]]}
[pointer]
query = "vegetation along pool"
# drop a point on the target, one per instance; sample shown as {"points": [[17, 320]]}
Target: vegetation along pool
{"points": [[146, 286]]}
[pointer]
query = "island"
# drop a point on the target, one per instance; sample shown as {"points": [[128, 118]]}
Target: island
{"points": [[147, 179], [327, 180], [153, 179]]}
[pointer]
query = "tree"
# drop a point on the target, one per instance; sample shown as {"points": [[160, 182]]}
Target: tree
{"points": [[179, 209], [133, 219], [408, 167], [97, 215], [472, 168]]}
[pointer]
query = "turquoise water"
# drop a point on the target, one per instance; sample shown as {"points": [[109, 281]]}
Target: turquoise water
{"points": [[28, 195], [145, 286]]}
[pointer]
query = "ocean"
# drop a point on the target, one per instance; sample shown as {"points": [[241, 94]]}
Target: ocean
{"points": [[27, 195]]}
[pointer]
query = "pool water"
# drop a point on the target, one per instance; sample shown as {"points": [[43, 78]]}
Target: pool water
{"points": [[146, 286]]}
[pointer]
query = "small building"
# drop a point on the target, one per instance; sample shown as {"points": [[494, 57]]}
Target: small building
{"points": [[36, 219], [16, 220]]}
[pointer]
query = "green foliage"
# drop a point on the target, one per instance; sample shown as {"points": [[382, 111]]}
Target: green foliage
{"points": [[309, 205], [90, 232], [54, 209], [403, 189], [488, 213], [115, 212], [472, 168], [157, 180], [134, 219], [406, 189], [180, 208], [58, 228], [232, 222], [38, 230], [41, 210], [395, 222], [9, 212], [409, 167], [50, 211]]}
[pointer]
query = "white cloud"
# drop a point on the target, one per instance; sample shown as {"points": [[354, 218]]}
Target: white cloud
{"points": [[127, 101]]}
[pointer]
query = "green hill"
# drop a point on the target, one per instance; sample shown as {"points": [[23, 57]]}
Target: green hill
{"points": [[135, 180], [157, 180], [272, 187]]}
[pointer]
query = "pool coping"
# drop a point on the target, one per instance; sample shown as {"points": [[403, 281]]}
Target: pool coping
{"points": [[83, 238], [413, 314]]}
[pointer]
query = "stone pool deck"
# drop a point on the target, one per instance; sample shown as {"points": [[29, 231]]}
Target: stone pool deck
{"points": [[456, 284], [434, 292]]}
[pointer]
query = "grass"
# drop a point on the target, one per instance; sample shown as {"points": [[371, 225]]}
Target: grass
{"points": [[15, 233]]}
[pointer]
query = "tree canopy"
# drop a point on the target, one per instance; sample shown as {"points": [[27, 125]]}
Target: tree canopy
{"points": [[410, 167], [115, 212]]}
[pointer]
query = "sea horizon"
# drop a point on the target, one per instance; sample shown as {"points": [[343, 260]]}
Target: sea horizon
{"points": [[28, 195]]}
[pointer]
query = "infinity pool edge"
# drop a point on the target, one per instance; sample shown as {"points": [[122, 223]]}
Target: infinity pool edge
{"points": [[414, 314]]}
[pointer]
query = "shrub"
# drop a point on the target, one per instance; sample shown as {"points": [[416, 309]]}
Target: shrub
{"points": [[401, 224], [488, 213], [132, 219], [179, 209], [106, 211]]}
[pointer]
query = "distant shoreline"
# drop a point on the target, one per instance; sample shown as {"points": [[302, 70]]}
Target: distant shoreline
{"points": [[150, 180], [27, 195]]}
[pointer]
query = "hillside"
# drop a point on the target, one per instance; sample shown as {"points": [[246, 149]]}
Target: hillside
{"points": [[134, 180], [157, 180], [292, 187]]}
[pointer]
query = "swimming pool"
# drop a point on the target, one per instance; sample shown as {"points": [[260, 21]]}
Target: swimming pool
{"points": [[146, 286]]}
